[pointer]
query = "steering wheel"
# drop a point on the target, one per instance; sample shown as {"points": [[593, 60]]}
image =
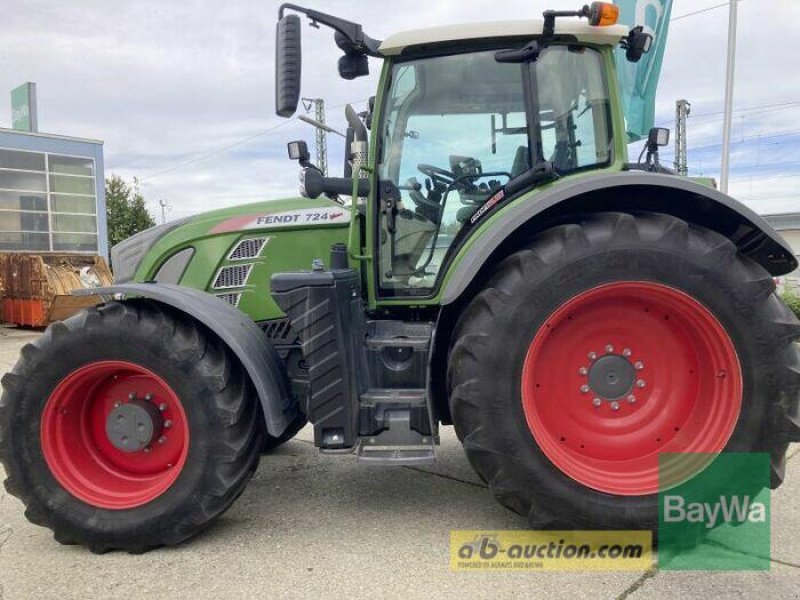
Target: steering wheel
{"points": [[437, 175]]}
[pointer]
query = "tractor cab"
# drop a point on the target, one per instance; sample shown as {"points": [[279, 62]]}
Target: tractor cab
{"points": [[465, 119]]}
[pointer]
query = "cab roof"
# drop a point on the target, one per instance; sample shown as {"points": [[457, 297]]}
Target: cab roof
{"points": [[397, 43]]}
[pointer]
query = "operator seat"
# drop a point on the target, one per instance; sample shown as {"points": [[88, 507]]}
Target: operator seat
{"points": [[522, 162]]}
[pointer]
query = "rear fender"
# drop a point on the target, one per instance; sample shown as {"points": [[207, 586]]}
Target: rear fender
{"points": [[236, 330], [627, 191]]}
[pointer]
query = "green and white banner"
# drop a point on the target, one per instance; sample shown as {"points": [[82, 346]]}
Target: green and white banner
{"points": [[639, 81]]}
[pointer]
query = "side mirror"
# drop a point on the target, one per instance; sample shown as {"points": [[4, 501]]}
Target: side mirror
{"points": [[288, 65], [298, 150]]}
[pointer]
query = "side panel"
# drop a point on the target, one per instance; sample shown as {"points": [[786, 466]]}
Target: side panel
{"points": [[632, 191], [287, 236], [237, 331]]}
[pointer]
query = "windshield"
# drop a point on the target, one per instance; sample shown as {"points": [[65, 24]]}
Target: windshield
{"points": [[456, 130]]}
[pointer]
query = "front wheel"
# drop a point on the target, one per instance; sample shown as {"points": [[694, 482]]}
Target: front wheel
{"points": [[127, 427], [607, 343]]}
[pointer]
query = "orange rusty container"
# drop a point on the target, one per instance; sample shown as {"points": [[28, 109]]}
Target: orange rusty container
{"points": [[36, 287]]}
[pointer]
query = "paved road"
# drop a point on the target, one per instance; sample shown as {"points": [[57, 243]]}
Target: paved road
{"points": [[325, 527]]}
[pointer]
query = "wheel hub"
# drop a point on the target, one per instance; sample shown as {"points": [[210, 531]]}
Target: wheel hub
{"points": [[612, 377], [133, 426]]}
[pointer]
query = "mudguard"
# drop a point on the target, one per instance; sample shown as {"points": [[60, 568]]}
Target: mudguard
{"points": [[640, 191], [242, 336]]}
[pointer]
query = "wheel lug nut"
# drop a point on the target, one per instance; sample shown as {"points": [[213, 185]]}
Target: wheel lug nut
{"points": [[584, 389], [631, 399], [615, 406], [162, 439], [592, 355], [148, 396], [597, 402], [162, 407], [117, 404], [583, 371], [638, 365], [132, 396], [626, 352], [609, 348], [147, 450], [167, 424], [640, 383]]}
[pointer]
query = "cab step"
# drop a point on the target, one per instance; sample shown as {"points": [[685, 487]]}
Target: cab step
{"points": [[395, 427]]}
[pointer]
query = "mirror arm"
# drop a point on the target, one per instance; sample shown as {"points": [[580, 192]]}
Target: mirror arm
{"points": [[352, 31]]}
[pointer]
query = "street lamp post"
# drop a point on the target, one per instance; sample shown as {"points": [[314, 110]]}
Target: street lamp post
{"points": [[731, 71]]}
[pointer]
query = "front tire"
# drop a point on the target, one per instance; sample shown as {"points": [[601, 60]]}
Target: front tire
{"points": [[186, 451], [607, 342]]}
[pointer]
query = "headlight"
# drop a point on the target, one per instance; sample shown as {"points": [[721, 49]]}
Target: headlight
{"points": [[126, 256]]}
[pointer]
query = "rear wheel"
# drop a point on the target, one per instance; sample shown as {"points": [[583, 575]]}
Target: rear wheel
{"points": [[127, 427], [607, 343]]}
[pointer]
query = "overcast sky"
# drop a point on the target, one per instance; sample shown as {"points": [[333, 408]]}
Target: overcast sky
{"points": [[182, 92]]}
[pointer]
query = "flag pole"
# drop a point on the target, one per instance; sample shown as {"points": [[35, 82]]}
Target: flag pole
{"points": [[731, 71]]}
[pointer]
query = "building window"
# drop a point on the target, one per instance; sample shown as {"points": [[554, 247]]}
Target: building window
{"points": [[47, 202]]}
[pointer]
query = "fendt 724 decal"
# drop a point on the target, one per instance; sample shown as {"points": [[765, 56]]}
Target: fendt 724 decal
{"points": [[287, 218]]}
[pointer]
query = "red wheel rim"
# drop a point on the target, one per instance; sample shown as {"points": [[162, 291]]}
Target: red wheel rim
{"points": [[77, 448], [685, 395]]}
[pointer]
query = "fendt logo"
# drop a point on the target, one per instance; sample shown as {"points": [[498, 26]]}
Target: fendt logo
{"points": [[733, 509]]}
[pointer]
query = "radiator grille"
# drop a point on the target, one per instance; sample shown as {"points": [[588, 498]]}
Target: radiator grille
{"points": [[230, 298], [245, 249], [232, 276]]}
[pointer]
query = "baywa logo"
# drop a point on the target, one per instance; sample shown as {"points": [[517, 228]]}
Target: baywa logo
{"points": [[733, 509], [717, 519]]}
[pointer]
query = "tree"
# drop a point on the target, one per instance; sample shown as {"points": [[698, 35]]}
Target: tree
{"points": [[126, 210]]}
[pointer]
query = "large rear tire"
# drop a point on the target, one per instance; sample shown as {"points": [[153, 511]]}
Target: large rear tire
{"points": [[127, 427], [607, 342]]}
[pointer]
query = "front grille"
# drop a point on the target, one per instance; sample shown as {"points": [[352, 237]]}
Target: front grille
{"points": [[245, 249], [232, 276], [230, 298]]}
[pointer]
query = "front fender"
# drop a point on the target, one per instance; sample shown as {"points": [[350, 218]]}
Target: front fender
{"points": [[236, 330], [627, 191]]}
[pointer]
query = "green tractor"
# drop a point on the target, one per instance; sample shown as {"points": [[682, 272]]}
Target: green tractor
{"points": [[490, 259]]}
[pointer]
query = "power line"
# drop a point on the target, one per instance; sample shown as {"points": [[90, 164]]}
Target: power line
{"points": [[697, 12], [750, 110], [239, 142], [217, 151], [771, 178]]}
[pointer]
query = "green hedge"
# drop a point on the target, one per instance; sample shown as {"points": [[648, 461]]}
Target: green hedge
{"points": [[792, 300]]}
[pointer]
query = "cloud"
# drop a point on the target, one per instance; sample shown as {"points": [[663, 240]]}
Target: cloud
{"points": [[166, 83]]}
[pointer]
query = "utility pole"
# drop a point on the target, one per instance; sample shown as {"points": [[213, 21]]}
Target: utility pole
{"points": [[731, 71], [164, 207], [682, 111], [321, 135]]}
